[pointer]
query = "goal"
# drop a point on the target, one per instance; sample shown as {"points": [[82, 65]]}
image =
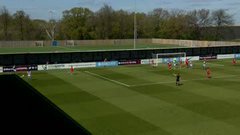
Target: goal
{"points": [[69, 43], [39, 43], [167, 57]]}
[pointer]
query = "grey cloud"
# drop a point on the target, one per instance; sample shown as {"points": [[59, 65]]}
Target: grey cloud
{"points": [[234, 4], [91, 2], [203, 1]]}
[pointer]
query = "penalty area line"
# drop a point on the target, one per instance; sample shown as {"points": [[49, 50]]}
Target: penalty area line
{"points": [[108, 79]]}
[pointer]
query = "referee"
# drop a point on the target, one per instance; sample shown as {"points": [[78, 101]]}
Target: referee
{"points": [[178, 79]]}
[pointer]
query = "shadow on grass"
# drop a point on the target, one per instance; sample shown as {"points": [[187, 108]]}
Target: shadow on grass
{"points": [[24, 109]]}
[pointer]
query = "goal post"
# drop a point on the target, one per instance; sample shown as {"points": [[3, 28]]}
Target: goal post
{"points": [[39, 43], [167, 57], [69, 43]]}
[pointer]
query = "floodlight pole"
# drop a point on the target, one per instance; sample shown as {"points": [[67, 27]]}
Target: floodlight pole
{"points": [[50, 14], [135, 26], [52, 29]]}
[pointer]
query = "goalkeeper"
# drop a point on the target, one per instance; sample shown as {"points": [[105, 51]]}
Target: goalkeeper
{"points": [[174, 64]]}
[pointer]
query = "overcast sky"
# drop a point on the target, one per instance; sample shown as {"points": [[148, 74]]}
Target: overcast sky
{"points": [[41, 8]]}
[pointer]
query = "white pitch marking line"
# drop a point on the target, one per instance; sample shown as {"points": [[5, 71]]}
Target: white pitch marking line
{"points": [[105, 78], [214, 64], [167, 82]]}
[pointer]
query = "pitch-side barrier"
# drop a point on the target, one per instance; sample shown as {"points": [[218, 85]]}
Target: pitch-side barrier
{"points": [[107, 63]]}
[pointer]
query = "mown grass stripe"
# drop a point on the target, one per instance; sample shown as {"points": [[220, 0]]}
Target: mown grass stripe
{"points": [[198, 107], [150, 109], [98, 117], [172, 82]]}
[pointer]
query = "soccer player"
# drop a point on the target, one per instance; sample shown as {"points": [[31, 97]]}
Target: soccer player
{"points": [[234, 62], [29, 73], [105, 60], [178, 79], [190, 64], [187, 62], [169, 66], [46, 66], [180, 62], [174, 64], [208, 73], [71, 70], [204, 64], [153, 63]]}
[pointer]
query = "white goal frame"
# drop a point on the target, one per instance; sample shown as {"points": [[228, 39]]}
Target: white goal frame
{"points": [[158, 57], [39, 43], [69, 43]]}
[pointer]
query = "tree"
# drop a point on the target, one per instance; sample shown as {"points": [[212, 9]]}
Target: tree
{"points": [[142, 25], [81, 23], [5, 19], [75, 23], [104, 22], [122, 29], [156, 19], [203, 21], [22, 24], [221, 18], [175, 26], [38, 30], [197, 21]]}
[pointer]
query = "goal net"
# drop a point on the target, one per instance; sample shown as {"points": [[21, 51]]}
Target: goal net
{"points": [[175, 58], [39, 43], [69, 43]]}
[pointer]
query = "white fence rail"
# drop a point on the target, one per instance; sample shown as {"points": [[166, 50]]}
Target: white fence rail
{"points": [[194, 43], [185, 43]]}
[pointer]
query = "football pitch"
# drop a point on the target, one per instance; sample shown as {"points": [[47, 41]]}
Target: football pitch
{"points": [[81, 48], [143, 100]]}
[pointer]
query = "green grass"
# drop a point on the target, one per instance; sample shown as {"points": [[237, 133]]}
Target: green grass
{"points": [[79, 48], [143, 100]]}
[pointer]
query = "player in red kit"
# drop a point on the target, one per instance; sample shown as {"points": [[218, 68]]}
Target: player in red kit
{"points": [[208, 73], [169, 66], [71, 70], [187, 62], [234, 62]]}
